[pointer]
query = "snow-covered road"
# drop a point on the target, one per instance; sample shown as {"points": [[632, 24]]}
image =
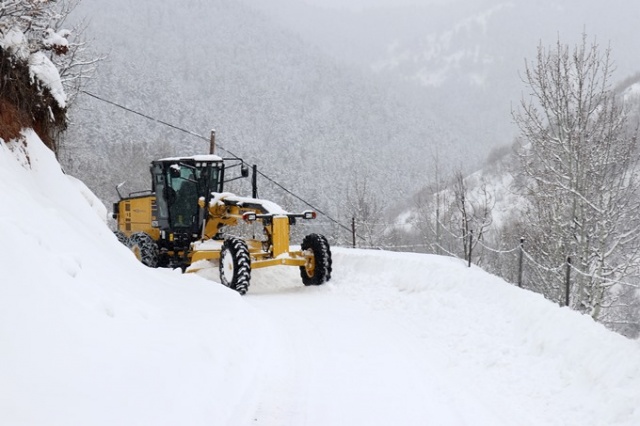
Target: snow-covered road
{"points": [[89, 336], [334, 361], [398, 339]]}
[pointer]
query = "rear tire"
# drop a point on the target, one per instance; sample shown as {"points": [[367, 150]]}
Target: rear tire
{"points": [[144, 248], [121, 237], [318, 269], [235, 265]]}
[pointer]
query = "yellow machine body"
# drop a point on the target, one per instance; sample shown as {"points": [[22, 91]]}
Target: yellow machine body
{"points": [[137, 214], [273, 250]]}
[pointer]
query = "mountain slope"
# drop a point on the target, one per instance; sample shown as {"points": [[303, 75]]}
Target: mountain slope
{"points": [[301, 116], [463, 56]]}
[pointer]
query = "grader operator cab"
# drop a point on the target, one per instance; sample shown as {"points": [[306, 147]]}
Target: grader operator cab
{"points": [[185, 221]]}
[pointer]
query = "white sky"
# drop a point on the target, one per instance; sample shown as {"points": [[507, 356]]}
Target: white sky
{"points": [[364, 4]]}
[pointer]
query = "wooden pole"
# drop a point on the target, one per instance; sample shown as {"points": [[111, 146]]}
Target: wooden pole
{"points": [[254, 182], [212, 143]]}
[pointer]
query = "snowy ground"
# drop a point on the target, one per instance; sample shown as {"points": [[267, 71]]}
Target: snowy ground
{"points": [[90, 337]]}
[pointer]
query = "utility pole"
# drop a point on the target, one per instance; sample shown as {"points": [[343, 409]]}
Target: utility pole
{"points": [[254, 182], [212, 143]]}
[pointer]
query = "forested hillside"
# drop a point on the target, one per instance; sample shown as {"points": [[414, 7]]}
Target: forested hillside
{"points": [[326, 101], [302, 117], [556, 213]]}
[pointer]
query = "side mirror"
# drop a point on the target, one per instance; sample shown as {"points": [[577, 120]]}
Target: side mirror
{"points": [[174, 171], [244, 170]]}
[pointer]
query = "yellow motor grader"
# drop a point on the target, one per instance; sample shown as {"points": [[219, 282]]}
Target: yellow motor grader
{"points": [[185, 220]]}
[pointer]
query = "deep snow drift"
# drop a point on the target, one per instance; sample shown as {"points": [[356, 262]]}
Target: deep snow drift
{"points": [[88, 336]]}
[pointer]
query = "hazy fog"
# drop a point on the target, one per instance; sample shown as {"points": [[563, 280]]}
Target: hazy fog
{"points": [[370, 90]]}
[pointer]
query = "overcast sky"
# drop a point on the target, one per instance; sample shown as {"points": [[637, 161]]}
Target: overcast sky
{"points": [[363, 4]]}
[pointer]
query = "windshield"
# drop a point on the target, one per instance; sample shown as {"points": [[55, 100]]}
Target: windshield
{"points": [[186, 184]]}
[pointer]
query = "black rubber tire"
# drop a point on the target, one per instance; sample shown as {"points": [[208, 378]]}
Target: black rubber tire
{"points": [[145, 248], [235, 265], [319, 271], [121, 237]]}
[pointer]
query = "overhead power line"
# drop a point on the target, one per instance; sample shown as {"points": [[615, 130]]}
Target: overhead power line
{"points": [[308, 204], [148, 117], [197, 135]]}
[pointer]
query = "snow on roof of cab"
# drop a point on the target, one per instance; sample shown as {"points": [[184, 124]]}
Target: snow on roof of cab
{"points": [[202, 157]]}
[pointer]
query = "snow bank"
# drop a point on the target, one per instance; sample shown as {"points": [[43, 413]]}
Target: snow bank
{"points": [[90, 336], [518, 353], [94, 202]]}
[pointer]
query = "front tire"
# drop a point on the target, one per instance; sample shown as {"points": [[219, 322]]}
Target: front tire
{"points": [[235, 265], [144, 248], [318, 268]]}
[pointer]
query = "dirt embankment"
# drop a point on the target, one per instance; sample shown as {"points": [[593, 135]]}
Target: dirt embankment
{"points": [[25, 104], [12, 120]]}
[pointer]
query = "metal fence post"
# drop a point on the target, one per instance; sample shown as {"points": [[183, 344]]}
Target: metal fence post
{"points": [[353, 231], [470, 245], [520, 259], [567, 281]]}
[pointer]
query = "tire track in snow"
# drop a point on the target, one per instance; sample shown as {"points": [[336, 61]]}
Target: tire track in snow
{"points": [[282, 386], [356, 364]]}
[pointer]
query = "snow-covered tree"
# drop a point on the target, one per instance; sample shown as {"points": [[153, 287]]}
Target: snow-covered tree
{"points": [[365, 207], [580, 164], [41, 69], [452, 217], [472, 215]]}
